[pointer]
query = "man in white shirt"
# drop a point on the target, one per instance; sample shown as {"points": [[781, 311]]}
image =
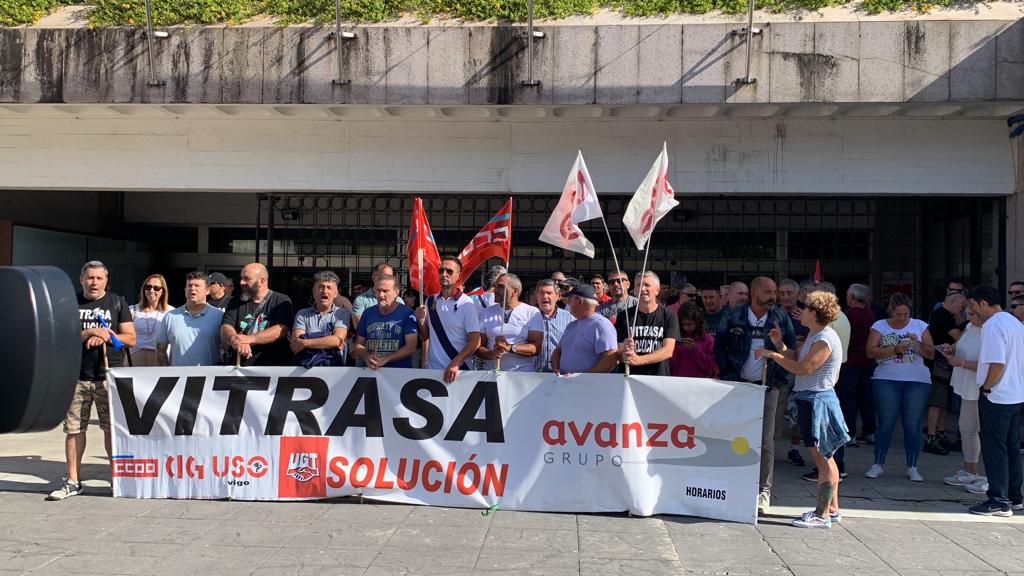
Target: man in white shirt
{"points": [[1001, 378], [449, 322], [504, 328]]}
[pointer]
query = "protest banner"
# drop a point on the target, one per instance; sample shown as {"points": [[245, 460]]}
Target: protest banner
{"points": [[585, 443]]}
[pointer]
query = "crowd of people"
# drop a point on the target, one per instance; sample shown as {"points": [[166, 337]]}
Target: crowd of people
{"points": [[834, 376]]}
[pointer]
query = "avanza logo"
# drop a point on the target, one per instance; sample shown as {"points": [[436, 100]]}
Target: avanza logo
{"points": [[302, 466], [301, 461]]}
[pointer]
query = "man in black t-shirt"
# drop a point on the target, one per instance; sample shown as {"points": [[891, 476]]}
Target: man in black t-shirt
{"points": [[944, 327], [218, 297], [649, 343], [96, 306], [257, 321]]}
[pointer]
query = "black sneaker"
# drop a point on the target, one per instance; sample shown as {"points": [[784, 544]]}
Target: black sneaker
{"points": [[794, 458], [951, 445], [932, 446], [990, 508]]}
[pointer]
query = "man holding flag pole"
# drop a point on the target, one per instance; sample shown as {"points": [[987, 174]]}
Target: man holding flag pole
{"points": [[578, 204], [653, 199]]}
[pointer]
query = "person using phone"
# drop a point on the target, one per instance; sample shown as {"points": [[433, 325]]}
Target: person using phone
{"points": [[694, 354]]}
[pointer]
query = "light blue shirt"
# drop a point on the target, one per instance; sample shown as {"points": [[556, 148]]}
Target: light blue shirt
{"points": [[584, 341], [365, 300], [193, 340], [552, 329]]}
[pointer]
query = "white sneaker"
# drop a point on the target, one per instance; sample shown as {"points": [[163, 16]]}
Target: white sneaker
{"points": [[69, 488], [979, 486], [914, 475], [875, 471], [763, 502], [961, 478], [810, 520]]}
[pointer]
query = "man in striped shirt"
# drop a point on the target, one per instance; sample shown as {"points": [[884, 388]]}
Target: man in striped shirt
{"points": [[545, 329]]}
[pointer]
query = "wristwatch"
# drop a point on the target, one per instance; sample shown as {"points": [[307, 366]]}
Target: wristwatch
{"points": [[512, 348]]}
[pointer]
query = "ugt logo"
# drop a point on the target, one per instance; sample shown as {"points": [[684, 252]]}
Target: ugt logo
{"points": [[302, 466], [301, 459]]}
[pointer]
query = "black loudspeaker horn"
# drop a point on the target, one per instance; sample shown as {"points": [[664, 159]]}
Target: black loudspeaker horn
{"points": [[41, 355]]}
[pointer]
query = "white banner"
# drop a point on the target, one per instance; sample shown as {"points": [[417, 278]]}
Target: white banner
{"points": [[587, 443]]}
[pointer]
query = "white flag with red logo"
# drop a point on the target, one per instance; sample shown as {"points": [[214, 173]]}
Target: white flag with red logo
{"points": [[652, 200], [577, 204]]}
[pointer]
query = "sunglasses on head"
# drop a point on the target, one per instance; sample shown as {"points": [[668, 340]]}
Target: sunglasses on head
{"points": [[149, 288]]}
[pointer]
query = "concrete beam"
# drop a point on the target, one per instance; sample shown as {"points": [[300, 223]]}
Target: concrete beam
{"points": [[869, 61]]}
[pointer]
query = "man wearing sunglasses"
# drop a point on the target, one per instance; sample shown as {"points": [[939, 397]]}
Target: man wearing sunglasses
{"points": [[1017, 308], [449, 322], [618, 285], [103, 316]]}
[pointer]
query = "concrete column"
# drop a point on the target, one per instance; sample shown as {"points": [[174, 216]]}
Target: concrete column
{"points": [[1015, 224]]}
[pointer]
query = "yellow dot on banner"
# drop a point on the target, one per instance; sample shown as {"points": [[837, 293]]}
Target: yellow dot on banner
{"points": [[740, 445]]}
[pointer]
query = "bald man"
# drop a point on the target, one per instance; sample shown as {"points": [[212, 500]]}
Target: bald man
{"points": [[256, 322], [739, 294]]}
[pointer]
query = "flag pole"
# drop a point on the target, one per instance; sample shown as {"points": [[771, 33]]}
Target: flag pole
{"points": [[504, 304], [643, 270], [618, 271], [419, 263]]}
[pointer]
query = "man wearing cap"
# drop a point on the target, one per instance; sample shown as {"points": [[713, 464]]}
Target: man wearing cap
{"points": [[219, 296], [588, 344]]}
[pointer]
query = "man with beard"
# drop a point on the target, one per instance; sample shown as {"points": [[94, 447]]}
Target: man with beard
{"points": [[319, 332], [368, 297], [618, 284], [256, 321], [96, 306], [651, 337], [743, 331], [449, 322]]}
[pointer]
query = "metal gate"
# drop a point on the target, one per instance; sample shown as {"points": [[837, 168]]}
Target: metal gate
{"points": [[882, 241]]}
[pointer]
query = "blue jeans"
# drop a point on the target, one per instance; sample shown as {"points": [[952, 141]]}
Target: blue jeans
{"points": [[855, 396], [1000, 449], [906, 400]]}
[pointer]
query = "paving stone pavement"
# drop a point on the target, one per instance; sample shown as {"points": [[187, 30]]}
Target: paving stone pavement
{"points": [[892, 526]]}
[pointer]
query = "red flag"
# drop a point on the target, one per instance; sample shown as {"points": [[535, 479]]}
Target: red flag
{"points": [[494, 240], [817, 271], [421, 239]]}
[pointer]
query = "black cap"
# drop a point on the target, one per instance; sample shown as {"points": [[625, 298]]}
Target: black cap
{"points": [[583, 291], [218, 278]]}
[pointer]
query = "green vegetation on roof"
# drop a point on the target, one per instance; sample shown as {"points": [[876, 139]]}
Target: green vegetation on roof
{"points": [[190, 12]]}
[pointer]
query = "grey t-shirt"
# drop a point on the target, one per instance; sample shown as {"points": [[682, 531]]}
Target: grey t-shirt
{"points": [[827, 374]]}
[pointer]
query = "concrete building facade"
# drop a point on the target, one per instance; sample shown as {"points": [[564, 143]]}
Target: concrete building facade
{"points": [[877, 147]]}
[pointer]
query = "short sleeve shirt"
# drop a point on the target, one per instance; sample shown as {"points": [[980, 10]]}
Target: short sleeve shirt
{"points": [[459, 317], [611, 308], [551, 329], [192, 340], [385, 333], [247, 318], [826, 375], [584, 341], [1002, 342], [514, 326], [312, 322], [905, 367], [649, 332], [363, 302], [114, 311]]}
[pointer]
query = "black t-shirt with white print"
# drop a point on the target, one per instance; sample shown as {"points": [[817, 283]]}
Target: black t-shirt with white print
{"points": [[650, 329], [246, 317], [114, 310]]}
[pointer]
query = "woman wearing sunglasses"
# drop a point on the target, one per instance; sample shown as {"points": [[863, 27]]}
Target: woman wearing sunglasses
{"points": [[147, 316]]}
